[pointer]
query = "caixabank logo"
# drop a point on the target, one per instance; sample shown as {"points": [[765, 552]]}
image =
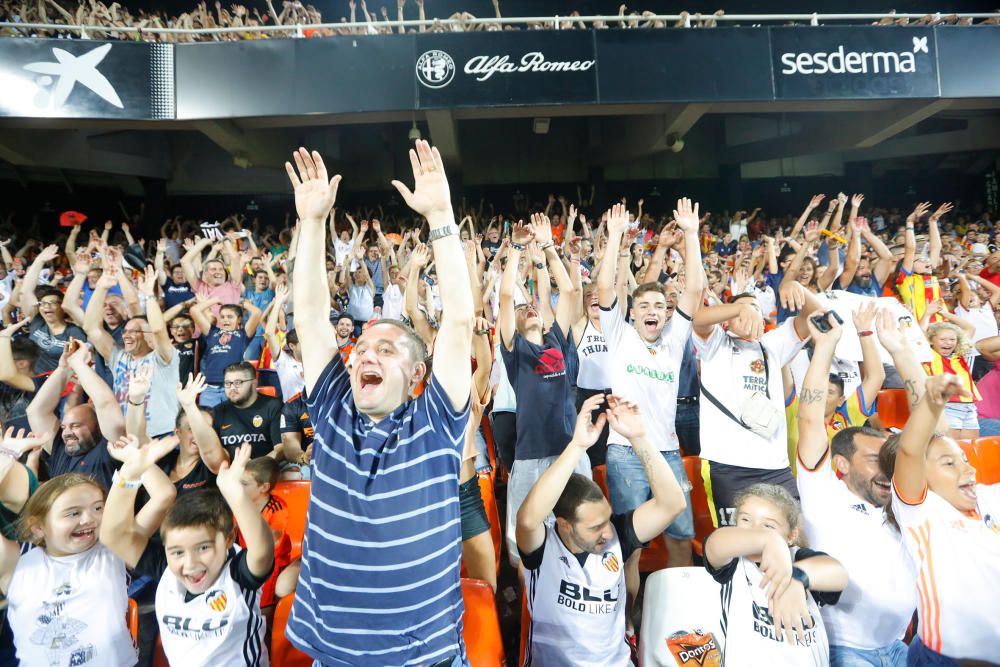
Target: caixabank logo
{"points": [[854, 63]]}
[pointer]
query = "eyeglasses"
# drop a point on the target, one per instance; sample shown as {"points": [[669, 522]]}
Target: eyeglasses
{"points": [[50, 304], [236, 384], [181, 326], [136, 332]]}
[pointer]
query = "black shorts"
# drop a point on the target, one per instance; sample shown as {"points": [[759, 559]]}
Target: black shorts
{"points": [[470, 502], [723, 482]]}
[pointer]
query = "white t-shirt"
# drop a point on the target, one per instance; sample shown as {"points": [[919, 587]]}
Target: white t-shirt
{"points": [[341, 249], [958, 564], [877, 605], [161, 399], [592, 350], [361, 305], [505, 400], [733, 370], [392, 302], [290, 375], [646, 374], [983, 319], [70, 610], [747, 625], [577, 612], [221, 627]]}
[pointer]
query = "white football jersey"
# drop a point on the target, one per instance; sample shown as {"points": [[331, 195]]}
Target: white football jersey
{"points": [[748, 629], [69, 611], [221, 627], [577, 612]]}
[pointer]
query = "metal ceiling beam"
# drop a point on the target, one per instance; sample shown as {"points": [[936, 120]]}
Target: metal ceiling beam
{"points": [[647, 135], [444, 135]]}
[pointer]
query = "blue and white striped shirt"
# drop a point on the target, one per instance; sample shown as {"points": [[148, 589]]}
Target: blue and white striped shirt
{"points": [[381, 555]]}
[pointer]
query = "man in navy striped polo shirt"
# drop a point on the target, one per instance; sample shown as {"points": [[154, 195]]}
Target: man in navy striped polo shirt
{"points": [[380, 559]]}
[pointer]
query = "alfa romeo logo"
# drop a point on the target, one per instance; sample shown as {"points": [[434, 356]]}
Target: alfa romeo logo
{"points": [[435, 69]]}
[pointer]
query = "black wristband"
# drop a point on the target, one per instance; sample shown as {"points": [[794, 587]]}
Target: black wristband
{"points": [[800, 576]]}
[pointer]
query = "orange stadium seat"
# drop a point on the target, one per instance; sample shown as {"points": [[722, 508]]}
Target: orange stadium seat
{"points": [[600, 475], [893, 408], [132, 617], [295, 493], [988, 460], [654, 557], [699, 503], [283, 654], [268, 391], [481, 625], [159, 657], [970, 452]]}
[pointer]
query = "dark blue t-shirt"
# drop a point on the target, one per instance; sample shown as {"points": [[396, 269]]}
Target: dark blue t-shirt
{"points": [[175, 293], [222, 348], [541, 379]]}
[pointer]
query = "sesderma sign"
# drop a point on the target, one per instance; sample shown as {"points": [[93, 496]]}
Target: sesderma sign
{"points": [[852, 63]]}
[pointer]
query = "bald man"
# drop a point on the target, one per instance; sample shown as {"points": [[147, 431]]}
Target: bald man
{"points": [[80, 440]]}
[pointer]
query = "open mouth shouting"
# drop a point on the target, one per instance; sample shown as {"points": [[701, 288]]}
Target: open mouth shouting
{"points": [[650, 324], [85, 534], [370, 380], [968, 490], [196, 578]]}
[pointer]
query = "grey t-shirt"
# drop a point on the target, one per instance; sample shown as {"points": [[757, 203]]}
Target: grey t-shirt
{"points": [[161, 401]]}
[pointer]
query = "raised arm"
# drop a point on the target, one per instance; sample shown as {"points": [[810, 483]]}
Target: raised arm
{"points": [[418, 260], [521, 235], [256, 532], [616, 224], [8, 369], [106, 406], [41, 412], [853, 254], [910, 239], [199, 315], [910, 475], [829, 275], [192, 258], [123, 531], [871, 361], [93, 319], [210, 448], [934, 234], [29, 302], [810, 207], [686, 217], [157, 324], [70, 248], [538, 504], [315, 194], [813, 442], [653, 516], [254, 314], [271, 326], [431, 198], [71, 299], [569, 295], [890, 335]]}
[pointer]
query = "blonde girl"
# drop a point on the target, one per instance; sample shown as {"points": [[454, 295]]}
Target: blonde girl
{"points": [[951, 344]]}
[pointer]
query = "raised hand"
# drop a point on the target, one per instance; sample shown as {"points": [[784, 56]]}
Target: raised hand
{"points": [[856, 201], [625, 418], [586, 432], [430, 194], [617, 219], [21, 443], [135, 459], [864, 316], [81, 266], [187, 395], [829, 337], [230, 474], [522, 233], [940, 388], [812, 231], [8, 332], [792, 295], [139, 382], [147, 282], [314, 194], [889, 332], [48, 253], [941, 210], [686, 216], [816, 200], [841, 198], [542, 228], [80, 356], [918, 212], [280, 293], [420, 256]]}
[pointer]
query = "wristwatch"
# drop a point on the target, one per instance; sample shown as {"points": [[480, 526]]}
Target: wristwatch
{"points": [[539, 265], [441, 232], [800, 576]]}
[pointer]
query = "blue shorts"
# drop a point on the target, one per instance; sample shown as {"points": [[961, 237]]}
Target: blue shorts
{"points": [[893, 655], [629, 488], [961, 415]]}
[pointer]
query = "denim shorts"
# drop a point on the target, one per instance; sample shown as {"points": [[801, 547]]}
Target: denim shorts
{"points": [[629, 488], [921, 656], [962, 415], [470, 500], [893, 655]]}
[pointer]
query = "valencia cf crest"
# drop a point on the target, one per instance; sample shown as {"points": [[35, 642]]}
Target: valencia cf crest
{"points": [[225, 338], [610, 562], [216, 601], [257, 421], [757, 366]]}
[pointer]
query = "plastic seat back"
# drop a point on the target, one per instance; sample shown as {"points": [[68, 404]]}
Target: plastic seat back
{"points": [[988, 460], [295, 493], [481, 625], [282, 651], [132, 618], [893, 408], [681, 611]]}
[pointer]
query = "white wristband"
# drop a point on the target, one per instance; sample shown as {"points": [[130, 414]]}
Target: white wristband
{"points": [[119, 481]]}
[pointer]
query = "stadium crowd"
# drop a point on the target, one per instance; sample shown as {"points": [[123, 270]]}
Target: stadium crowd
{"points": [[363, 21], [155, 394]]}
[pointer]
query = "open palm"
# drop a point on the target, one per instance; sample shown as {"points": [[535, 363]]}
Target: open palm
{"points": [[314, 194], [430, 190]]}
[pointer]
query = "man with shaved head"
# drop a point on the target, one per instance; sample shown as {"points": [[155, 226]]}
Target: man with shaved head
{"points": [[80, 439]]}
